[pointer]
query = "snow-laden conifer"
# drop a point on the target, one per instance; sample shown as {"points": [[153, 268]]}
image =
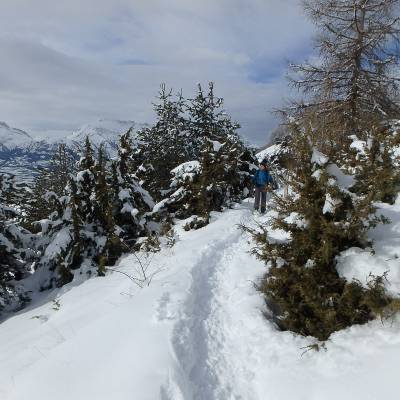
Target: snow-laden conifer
{"points": [[15, 245], [321, 218], [130, 201], [96, 219], [219, 174], [52, 178], [165, 145]]}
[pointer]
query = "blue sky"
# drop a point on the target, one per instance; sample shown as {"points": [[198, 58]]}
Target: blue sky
{"points": [[68, 63]]}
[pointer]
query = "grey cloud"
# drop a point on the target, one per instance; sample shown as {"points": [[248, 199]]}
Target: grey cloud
{"points": [[64, 63]]}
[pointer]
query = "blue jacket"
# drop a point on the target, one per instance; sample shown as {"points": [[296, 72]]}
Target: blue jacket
{"points": [[261, 178]]}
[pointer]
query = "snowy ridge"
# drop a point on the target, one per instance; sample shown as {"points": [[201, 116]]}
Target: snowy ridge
{"points": [[103, 131], [196, 333], [12, 137]]}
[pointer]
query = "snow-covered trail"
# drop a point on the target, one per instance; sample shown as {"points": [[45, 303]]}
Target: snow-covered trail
{"points": [[199, 335], [196, 333]]}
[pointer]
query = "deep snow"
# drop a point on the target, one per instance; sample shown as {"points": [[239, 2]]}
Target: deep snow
{"points": [[197, 332]]}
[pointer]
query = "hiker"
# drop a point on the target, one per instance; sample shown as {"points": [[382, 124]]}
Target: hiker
{"points": [[262, 179]]}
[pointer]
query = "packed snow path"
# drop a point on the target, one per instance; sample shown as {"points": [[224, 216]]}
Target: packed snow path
{"points": [[199, 336], [196, 333]]}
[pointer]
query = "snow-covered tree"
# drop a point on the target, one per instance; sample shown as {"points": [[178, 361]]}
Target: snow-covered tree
{"points": [[163, 146], [62, 238], [224, 159], [75, 234], [52, 178], [204, 142], [15, 243], [219, 172], [181, 203], [377, 167], [83, 231], [130, 200], [321, 218]]}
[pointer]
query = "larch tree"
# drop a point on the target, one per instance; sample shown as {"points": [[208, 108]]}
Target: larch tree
{"points": [[353, 85]]}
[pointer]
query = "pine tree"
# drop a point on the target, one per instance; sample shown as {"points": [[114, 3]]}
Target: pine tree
{"points": [[376, 170], [14, 246], [224, 159], [71, 237], [352, 93], [130, 200], [74, 258], [182, 201], [104, 221], [321, 218], [165, 145], [219, 173], [82, 231], [85, 181], [51, 179]]}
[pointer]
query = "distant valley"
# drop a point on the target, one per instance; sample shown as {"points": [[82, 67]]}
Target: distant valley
{"points": [[22, 154]]}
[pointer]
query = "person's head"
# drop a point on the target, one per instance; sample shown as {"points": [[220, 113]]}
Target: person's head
{"points": [[263, 165]]}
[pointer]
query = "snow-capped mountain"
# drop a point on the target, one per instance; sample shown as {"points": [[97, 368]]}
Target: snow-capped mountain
{"points": [[22, 154], [11, 138], [103, 131]]}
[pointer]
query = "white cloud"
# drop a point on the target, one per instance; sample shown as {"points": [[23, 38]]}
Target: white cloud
{"points": [[64, 63]]}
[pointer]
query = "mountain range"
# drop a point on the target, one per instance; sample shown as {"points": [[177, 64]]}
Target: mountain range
{"points": [[22, 154]]}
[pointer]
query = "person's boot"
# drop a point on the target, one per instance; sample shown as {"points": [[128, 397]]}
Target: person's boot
{"points": [[262, 210]]}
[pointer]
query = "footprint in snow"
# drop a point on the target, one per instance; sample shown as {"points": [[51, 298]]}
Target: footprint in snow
{"points": [[164, 311], [41, 318]]}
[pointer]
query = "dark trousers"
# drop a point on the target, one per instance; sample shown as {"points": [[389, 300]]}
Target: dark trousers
{"points": [[261, 194]]}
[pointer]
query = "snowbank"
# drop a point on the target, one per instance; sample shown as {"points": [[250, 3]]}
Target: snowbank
{"points": [[358, 264]]}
